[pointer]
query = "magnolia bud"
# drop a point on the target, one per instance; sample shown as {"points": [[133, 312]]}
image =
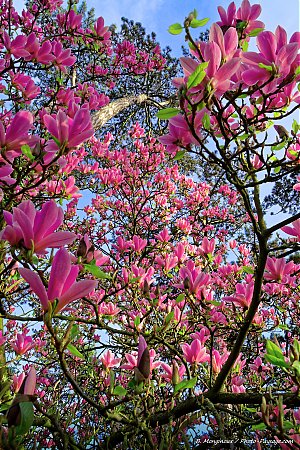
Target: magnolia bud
{"points": [[282, 132], [146, 289], [186, 283], [82, 248], [144, 364], [175, 373]]}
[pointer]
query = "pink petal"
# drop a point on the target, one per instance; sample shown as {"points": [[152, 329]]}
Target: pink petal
{"points": [[267, 44], [59, 272], [48, 219], [24, 223], [55, 240], [78, 290], [36, 285]]}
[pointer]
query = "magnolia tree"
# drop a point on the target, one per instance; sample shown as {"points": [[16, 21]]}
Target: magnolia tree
{"points": [[140, 307]]}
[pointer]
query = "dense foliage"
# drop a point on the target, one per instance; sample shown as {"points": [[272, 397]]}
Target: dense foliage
{"points": [[143, 307]]}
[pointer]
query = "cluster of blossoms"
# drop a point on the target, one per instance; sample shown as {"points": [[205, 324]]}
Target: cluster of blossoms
{"points": [[167, 286]]}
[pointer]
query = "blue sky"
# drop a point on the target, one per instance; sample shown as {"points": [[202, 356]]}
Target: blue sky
{"points": [[157, 15]]}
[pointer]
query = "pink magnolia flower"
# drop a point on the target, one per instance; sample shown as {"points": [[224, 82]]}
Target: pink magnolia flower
{"points": [[195, 353], [62, 57], [68, 131], [249, 13], [108, 309], [219, 74], [25, 86], [274, 52], [179, 134], [15, 47], [109, 360], [218, 360], [194, 279], [207, 246], [101, 30], [138, 244], [293, 229], [62, 282], [34, 229], [22, 344], [2, 338], [25, 384], [40, 53], [227, 42], [16, 133], [237, 385], [173, 373], [139, 362], [258, 366], [5, 171], [277, 269], [246, 13], [243, 296]]}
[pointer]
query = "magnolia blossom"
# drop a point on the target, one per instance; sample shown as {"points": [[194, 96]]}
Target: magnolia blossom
{"points": [[293, 229], [173, 373], [63, 286], [70, 131], [16, 134], [22, 344], [108, 360], [33, 229], [138, 362], [195, 353], [277, 269]]}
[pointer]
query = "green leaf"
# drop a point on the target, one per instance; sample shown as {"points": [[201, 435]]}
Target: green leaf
{"points": [[180, 298], [277, 361], [296, 366], [295, 126], [243, 137], [195, 23], [176, 28], [4, 406], [265, 66], [185, 384], [248, 269], [297, 71], [287, 425], [277, 169], [26, 410], [25, 149], [241, 25], [167, 113], [197, 76], [179, 155], [245, 46], [215, 303], [74, 351], [74, 331], [255, 32], [98, 273], [274, 350], [259, 427], [279, 146], [283, 327], [206, 121], [169, 317], [137, 321], [120, 391]]}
